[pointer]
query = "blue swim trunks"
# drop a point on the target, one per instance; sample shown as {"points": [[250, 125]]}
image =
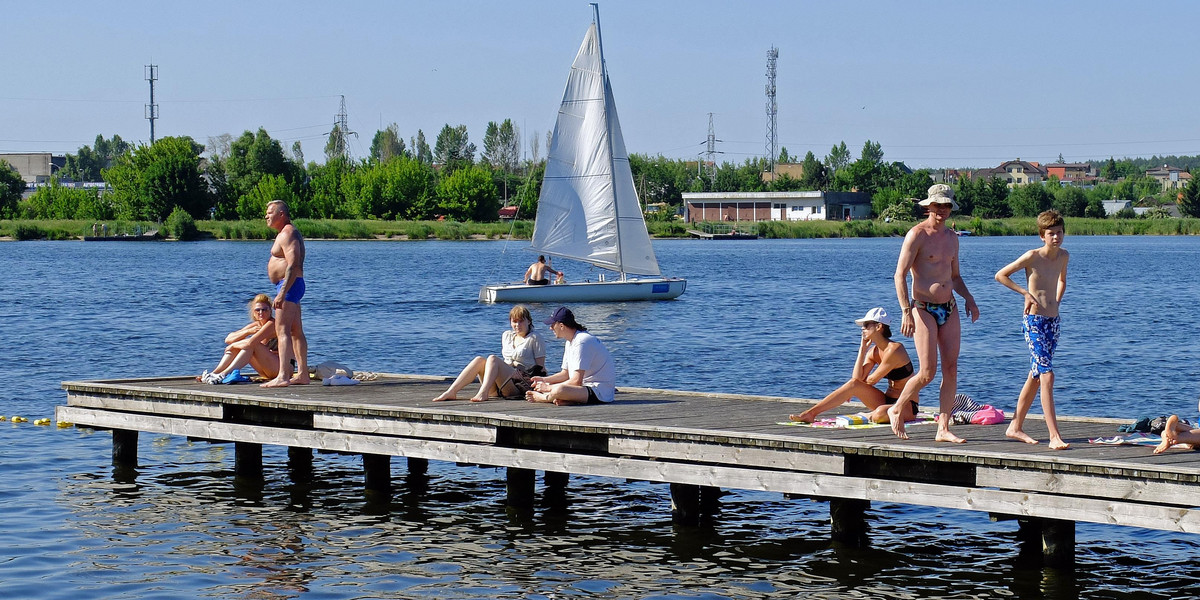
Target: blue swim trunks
{"points": [[294, 293], [941, 311], [1041, 333]]}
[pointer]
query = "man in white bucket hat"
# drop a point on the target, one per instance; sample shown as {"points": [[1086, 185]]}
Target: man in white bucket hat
{"points": [[930, 313]]}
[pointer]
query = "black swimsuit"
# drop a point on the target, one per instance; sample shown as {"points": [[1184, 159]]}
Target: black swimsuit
{"points": [[899, 372], [896, 375]]}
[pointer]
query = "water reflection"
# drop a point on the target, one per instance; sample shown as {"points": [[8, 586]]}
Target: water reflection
{"points": [[768, 318]]}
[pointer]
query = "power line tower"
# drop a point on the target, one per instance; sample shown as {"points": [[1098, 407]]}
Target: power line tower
{"points": [[711, 153], [772, 109], [152, 108], [340, 148]]}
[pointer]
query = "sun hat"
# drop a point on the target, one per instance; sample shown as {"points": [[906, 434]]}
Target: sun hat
{"points": [[875, 315], [941, 194]]}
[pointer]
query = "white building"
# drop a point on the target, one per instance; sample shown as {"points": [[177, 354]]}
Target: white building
{"points": [[775, 206]]}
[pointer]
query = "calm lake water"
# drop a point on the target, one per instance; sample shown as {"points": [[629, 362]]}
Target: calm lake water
{"points": [[759, 317]]}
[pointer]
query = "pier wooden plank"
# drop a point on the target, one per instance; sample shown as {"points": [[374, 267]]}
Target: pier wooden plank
{"points": [[1183, 520], [690, 438], [470, 433]]}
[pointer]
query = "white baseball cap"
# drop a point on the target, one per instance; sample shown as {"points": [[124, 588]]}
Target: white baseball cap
{"points": [[875, 315]]}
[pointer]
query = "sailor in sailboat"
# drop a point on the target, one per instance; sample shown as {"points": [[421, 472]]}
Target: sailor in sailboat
{"points": [[588, 209], [536, 273]]}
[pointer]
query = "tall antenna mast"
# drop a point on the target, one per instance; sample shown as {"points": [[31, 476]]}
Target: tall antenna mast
{"points": [[152, 108], [772, 108], [711, 152]]}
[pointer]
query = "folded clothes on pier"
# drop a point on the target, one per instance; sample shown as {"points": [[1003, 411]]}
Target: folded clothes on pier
{"points": [[856, 421]]}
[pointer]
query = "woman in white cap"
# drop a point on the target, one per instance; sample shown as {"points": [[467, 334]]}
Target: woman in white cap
{"points": [[878, 358]]}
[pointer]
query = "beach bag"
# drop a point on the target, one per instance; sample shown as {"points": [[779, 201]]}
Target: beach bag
{"points": [[330, 368], [988, 415]]}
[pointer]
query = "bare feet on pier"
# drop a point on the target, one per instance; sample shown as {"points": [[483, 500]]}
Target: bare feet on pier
{"points": [[276, 383], [446, 396], [943, 434], [1019, 435], [299, 380], [804, 417], [1058, 444], [1169, 437], [897, 422]]}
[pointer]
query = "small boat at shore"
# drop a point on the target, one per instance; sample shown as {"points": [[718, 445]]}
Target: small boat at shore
{"points": [[589, 209], [149, 236]]}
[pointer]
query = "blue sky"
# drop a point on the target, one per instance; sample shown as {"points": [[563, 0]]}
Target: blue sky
{"points": [[938, 84]]}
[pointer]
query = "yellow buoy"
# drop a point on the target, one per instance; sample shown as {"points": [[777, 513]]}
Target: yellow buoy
{"points": [[3, 418], [64, 424], [42, 422], [18, 419]]}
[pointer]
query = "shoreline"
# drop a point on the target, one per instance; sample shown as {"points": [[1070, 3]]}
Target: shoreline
{"points": [[409, 231]]}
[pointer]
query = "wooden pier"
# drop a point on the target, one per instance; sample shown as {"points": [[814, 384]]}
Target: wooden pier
{"points": [[694, 441]]}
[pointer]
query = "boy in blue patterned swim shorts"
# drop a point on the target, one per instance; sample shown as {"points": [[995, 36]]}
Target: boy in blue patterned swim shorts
{"points": [[1045, 280]]}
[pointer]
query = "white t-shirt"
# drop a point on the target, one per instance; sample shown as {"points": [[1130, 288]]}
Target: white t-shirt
{"points": [[522, 351], [586, 353]]}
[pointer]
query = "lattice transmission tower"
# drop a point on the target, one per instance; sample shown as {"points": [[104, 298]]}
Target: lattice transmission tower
{"points": [[341, 132], [711, 153], [152, 108], [772, 109]]}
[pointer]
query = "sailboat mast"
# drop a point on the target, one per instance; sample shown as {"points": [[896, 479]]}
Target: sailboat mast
{"points": [[612, 167]]}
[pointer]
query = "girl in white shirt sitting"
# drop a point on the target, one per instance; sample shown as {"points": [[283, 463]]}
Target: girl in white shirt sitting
{"points": [[523, 355]]}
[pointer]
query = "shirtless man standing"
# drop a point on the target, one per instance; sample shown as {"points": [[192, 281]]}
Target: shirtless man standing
{"points": [[930, 314], [536, 273], [285, 268]]}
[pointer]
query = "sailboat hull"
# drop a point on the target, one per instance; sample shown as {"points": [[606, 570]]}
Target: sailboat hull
{"points": [[598, 291]]}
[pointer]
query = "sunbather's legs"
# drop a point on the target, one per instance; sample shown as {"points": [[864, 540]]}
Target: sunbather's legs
{"points": [[469, 373]]}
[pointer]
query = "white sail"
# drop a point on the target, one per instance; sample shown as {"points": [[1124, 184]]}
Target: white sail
{"points": [[588, 209]]}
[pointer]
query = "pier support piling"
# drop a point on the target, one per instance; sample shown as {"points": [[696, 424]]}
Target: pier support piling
{"points": [[691, 503], [377, 474], [247, 460], [847, 520], [557, 480], [124, 450], [300, 464], [520, 483], [1053, 540], [417, 466]]}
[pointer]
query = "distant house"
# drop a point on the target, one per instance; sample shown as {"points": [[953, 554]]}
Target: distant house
{"points": [[1014, 173], [1172, 210], [35, 167], [1171, 178], [1072, 172], [792, 170], [950, 176], [508, 213], [775, 206], [1112, 207]]}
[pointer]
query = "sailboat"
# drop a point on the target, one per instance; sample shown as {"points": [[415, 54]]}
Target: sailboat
{"points": [[588, 209]]}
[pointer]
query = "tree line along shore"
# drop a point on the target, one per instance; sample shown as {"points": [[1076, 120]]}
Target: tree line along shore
{"points": [[363, 229], [412, 191]]}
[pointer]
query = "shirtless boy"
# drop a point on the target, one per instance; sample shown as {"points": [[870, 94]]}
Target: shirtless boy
{"points": [[1045, 282], [930, 313], [285, 268]]}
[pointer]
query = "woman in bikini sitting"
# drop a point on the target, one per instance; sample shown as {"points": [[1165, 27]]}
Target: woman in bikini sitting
{"points": [[523, 356], [252, 345], [878, 358]]}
